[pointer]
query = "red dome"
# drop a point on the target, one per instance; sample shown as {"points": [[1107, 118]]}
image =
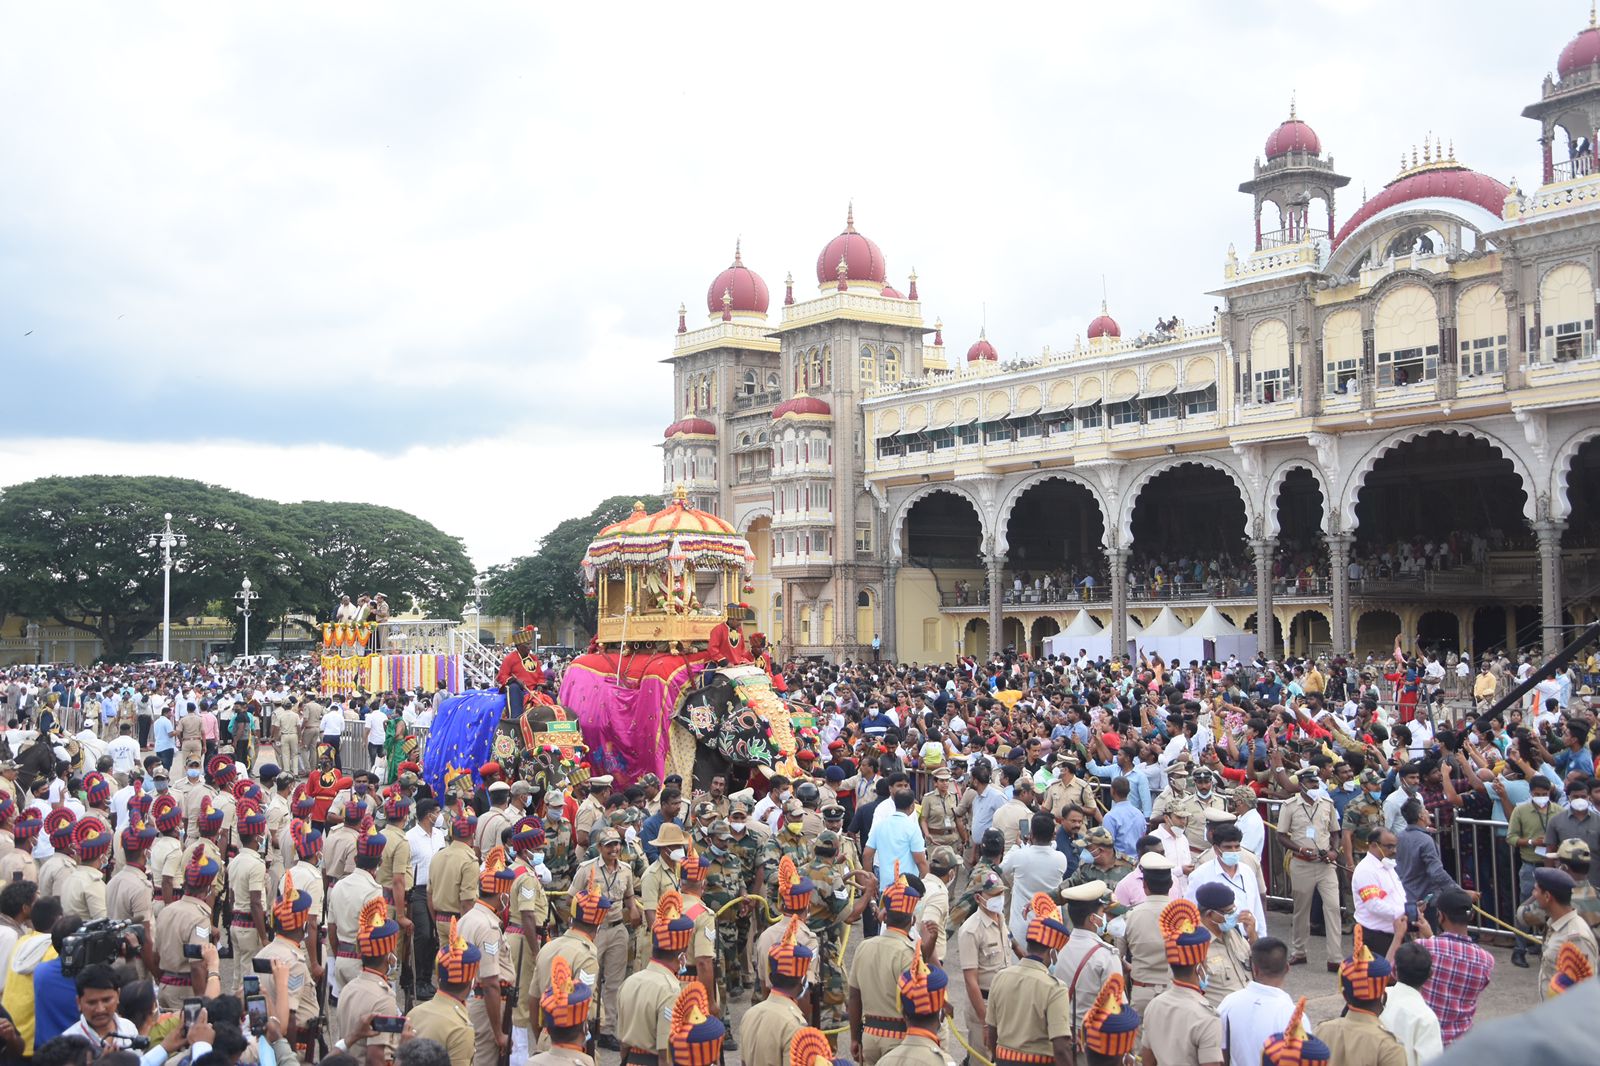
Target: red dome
{"points": [[1104, 326], [1293, 136], [698, 427], [1582, 51], [863, 259], [1453, 183], [982, 350], [802, 405], [891, 292], [749, 292]]}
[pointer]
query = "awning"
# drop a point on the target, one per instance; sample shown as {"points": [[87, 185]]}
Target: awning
{"points": [[971, 421], [1084, 405], [1122, 395], [1159, 391]]}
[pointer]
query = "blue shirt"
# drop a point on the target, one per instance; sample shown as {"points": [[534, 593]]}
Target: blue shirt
{"points": [[162, 731], [648, 831], [1138, 784], [1066, 847], [55, 1002], [896, 839], [1126, 826], [984, 804]]}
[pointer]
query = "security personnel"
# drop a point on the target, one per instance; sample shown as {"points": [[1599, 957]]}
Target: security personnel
{"points": [[186, 920], [368, 993], [1361, 814], [574, 949], [306, 877], [875, 1022], [345, 900], [1144, 944], [922, 998], [1552, 888], [991, 850], [527, 917], [725, 882], [1087, 961], [615, 882], [767, 1028], [339, 846], [492, 822], [661, 876], [1207, 797], [1307, 827], [394, 878], [591, 812], [453, 873], [1358, 1036], [565, 1006], [560, 856], [58, 826], [939, 813], [129, 896], [481, 927], [83, 886], [794, 901], [1228, 956], [1070, 789], [1111, 1028], [1180, 1027], [833, 822], [983, 950], [1029, 1021], [443, 1018], [247, 894], [291, 918], [1104, 863], [790, 840], [836, 903], [645, 1027], [700, 961]]}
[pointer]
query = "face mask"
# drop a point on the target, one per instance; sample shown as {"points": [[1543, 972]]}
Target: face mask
{"points": [[718, 852], [1229, 922], [1348, 786], [797, 828], [1579, 805], [738, 829], [676, 855], [161, 785], [538, 858], [1541, 801], [784, 795], [631, 836], [1386, 862], [192, 775], [1228, 858], [994, 904], [1205, 982]]}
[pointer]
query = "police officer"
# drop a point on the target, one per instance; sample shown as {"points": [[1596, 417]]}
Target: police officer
{"points": [[648, 997], [1307, 827], [1181, 1028], [795, 891], [1144, 943], [939, 813], [574, 948], [1087, 960], [768, 1027], [841, 896], [453, 873], [983, 949], [614, 880], [186, 920], [875, 1021], [1029, 1020], [922, 1001]]}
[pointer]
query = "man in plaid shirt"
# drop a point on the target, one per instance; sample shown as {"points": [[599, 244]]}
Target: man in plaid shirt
{"points": [[1461, 969]]}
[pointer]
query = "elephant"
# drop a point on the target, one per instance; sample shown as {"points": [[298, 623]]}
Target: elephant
{"points": [[730, 737]]}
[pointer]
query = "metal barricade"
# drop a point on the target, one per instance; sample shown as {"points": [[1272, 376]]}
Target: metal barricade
{"points": [[353, 754], [1482, 860], [1273, 866]]}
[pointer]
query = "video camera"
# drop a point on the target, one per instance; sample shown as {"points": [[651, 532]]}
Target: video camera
{"points": [[101, 940]]}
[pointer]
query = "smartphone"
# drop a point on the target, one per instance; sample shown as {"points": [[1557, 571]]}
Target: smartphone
{"points": [[256, 1009], [192, 951], [388, 1024], [263, 966], [192, 1007], [252, 985]]}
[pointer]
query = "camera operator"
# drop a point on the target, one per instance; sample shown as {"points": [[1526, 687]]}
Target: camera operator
{"points": [[55, 996], [99, 994]]}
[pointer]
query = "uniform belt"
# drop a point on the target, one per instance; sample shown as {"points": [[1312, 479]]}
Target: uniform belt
{"points": [[1150, 984], [346, 953], [878, 1025], [517, 929], [1005, 1054], [442, 915], [176, 980], [243, 923]]}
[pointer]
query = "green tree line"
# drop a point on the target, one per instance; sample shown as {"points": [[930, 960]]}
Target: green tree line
{"points": [[76, 550]]}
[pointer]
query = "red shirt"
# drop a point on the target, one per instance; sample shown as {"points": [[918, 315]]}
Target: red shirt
{"points": [[513, 666], [1461, 971]]}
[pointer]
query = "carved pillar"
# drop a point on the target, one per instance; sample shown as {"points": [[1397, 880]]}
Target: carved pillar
{"points": [[891, 637], [1546, 143], [1263, 549], [1549, 533], [997, 565], [1339, 545], [1511, 631], [1118, 560]]}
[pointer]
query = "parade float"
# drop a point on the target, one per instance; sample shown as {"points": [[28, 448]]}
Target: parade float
{"points": [[416, 657]]}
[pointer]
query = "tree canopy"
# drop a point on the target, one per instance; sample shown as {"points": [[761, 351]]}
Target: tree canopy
{"points": [[549, 583], [76, 551]]}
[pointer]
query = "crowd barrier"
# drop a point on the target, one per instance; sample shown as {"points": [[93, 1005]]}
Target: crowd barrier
{"points": [[353, 755], [1480, 859]]}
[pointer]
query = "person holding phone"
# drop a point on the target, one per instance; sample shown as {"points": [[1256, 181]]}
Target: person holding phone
{"points": [[185, 939], [99, 993]]}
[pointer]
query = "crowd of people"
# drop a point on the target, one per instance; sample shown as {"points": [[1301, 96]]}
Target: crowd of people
{"points": [[1074, 860]]}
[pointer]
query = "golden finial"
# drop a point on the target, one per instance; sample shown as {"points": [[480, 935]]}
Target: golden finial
{"points": [[727, 298], [683, 308], [1452, 149], [737, 261], [679, 494], [850, 217], [1413, 155], [788, 279], [1427, 147], [1591, 13]]}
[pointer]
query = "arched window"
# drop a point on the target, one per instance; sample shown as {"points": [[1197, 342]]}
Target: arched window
{"points": [[1270, 373], [1341, 352], [1480, 331], [1566, 314], [864, 598], [761, 437], [1405, 328], [749, 383], [772, 382], [868, 370], [827, 365], [891, 365], [688, 397], [816, 369]]}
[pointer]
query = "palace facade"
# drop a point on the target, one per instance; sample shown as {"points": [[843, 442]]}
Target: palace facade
{"points": [[1391, 426]]}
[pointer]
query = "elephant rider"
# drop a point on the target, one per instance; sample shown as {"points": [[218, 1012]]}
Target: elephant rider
{"points": [[726, 643], [761, 655], [519, 673]]}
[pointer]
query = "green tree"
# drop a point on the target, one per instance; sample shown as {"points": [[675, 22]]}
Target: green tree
{"points": [[76, 550], [549, 583], [361, 547]]}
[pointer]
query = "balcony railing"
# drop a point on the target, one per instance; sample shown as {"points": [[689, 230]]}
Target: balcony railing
{"points": [[1579, 166], [746, 400], [1170, 592], [1280, 238]]}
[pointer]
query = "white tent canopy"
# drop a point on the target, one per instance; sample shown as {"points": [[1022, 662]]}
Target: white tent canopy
{"points": [[1083, 632], [1166, 624], [1213, 623]]}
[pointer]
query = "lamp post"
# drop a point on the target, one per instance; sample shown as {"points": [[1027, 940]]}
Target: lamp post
{"points": [[478, 594], [167, 540], [245, 596]]}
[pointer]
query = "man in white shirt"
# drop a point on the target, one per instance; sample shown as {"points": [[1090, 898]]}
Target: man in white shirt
{"points": [[1406, 1014], [1229, 868], [376, 719], [1379, 895], [1034, 867], [1261, 1009], [124, 752], [332, 726], [1252, 827]]}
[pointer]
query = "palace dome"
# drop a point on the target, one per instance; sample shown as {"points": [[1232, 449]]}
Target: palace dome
{"points": [[1293, 136], [693, 427], [803, 405], [748, 291], [891, 292], [1104, 326], [982, 350], [863, 259], [1582, 51], [1451, 182]]}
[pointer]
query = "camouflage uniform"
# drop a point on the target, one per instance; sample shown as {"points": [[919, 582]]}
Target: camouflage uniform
{"points": [[780, 844], [967, 904], [724, 884], [829, 899], [560, 860], [1585, 900], [1363, 812], [1088, 871]]}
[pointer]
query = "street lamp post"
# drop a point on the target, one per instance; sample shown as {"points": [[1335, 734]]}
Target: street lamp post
{"points": [[167, 540], [478, 594], [245, 597]]}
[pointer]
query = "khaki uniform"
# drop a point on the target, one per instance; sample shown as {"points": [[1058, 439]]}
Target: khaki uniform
{"points": [[308, 879], [247, 873], [982, 944], [83, 892], [159, 863], [1146, 952], [579, 952], [1009, 818], [192, 801], [453, 882], [875, 974], [1062, 792], [1313, 826], [368, 993], [278, 819], [289, 723], [771, 937], [495, 820], [1083, 966], [939, 815], [130, 898], [1227, 966], [396, 861], [52, 872], [934, 907], [528, 900], [302, 990], [1028, 1011], [18, 865], [1568, 927], [560, 1056], [767, 1028], [186, 920], [919, 1048], [591, 816], [1196, 829], [191, 737], [703, 940], [647, 1001], [480, 927], [1182, 1029], [611, 942], [345, 901], [339, 852], [1359, 1038], [444, 1019]]}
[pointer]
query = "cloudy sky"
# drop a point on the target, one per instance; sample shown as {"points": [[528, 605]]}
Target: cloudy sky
{"points": [[430, 255]]}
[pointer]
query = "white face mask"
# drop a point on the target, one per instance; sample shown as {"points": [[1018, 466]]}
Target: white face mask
{"points": [[1579, 805], [994, 904], [538, 858], [676, 855], [1540, 801]]}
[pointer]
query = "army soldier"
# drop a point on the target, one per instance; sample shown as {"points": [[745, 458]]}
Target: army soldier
{"points": [[833, 822], [794, 901], [1087, 960], [1144, 941], [1180, 1028], [1029, 1020], [528, 914], [991, 850], [444, 1017], [453, 872], [836, 904], [1307, 826], [1105, 864], [789, 840], [83, 886], [573, 949], [291, 916], [645, 1027], [768, 1027], [1363, 813], [345, 900], [247, 893], [922, 1002], [481, 928], [186, 920], [560, 851], [939, 824], [983, 949], [875, 1022], [616, 883], [725, 882], [368, 993]]}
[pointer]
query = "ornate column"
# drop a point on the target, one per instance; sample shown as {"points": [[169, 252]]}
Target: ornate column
{"points": [[1263, 549], [891, 639], [1549, 533], [1339, 545], [1118, 560], [996, 598]]}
